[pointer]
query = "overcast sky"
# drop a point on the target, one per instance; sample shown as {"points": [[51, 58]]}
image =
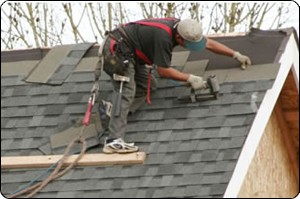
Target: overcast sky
{"points": [[134, 11]]}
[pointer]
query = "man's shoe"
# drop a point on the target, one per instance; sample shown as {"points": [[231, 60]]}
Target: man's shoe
{"points": [[119, 146]]}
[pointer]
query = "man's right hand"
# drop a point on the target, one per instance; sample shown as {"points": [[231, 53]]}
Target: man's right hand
{"points": [[197, 82], [95, 88]]}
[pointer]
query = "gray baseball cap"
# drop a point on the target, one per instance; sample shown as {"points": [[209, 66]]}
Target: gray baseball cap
{"points": [[191, 31]]}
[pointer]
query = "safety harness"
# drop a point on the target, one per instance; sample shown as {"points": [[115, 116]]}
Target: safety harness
{"points": [[138, 52]]}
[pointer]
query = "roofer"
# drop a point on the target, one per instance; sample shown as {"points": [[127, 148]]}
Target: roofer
{"points": [[131, 51]]}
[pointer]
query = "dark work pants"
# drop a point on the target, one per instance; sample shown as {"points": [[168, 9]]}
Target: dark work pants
{"points": [[136, 87]]}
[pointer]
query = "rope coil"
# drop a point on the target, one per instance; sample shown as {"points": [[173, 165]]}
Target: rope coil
{"points": [[34, 189]]}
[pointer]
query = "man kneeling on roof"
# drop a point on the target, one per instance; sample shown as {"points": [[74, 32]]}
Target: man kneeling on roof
{"points": [[129, 51]]}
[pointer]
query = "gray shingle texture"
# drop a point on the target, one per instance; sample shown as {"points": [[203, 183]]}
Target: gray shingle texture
{"points": [[192, 148]]}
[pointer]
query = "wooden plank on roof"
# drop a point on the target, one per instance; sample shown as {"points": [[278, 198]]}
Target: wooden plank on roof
{"points": [[21, 162]]}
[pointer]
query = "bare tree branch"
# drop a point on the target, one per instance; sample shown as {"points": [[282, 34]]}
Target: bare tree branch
{"points": [[32, 24]]}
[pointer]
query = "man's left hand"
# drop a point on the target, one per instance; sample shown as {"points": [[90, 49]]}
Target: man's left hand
{"points": [[245, 60]]}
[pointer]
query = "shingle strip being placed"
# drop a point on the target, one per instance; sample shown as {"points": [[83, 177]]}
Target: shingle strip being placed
{"points": [[196, 67], [58, 64]]}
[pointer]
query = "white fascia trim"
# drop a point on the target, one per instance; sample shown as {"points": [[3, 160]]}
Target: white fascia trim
{"points": [[289, 58]]}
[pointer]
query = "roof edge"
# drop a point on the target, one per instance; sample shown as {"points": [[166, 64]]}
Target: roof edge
{"points": [[289, 60], [233, 34]]}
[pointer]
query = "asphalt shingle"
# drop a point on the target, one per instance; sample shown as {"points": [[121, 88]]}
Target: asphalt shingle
{"points": [[192, 148]]}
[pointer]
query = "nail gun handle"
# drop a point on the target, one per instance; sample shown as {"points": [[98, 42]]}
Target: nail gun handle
{"points": [[214, 85], [213, 82]]}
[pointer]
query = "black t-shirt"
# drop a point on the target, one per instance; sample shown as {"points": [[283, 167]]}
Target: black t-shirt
{"points": [[154, 42]]}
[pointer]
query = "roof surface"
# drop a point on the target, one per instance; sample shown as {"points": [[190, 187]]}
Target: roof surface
{"points": [[192, 148]]}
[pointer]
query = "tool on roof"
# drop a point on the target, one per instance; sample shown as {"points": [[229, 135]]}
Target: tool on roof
{"points": [[198, 95], [117, 103]]}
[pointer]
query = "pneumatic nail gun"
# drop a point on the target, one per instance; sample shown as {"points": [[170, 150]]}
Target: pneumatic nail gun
{"points": [[199, 95]]}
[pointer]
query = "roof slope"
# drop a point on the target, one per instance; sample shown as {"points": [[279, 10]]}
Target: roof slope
{"points": [[192, 148]]}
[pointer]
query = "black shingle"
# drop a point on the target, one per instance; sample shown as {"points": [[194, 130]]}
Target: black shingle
{"points": [[129, 193], [38, 100], [130, 183], [187, 169], [226, 177], [21, 90], [6, 144], [218, 189], [145, 181], [6, 91], [177, 113], [81, 77], [239, 131], [153, 147], [105, 184], [229, 154], [162, 147], [235, 120], [227, 165], [154, 159], [188, 145], [36, 121], [169, 169], [211, 178], [15, 101], [192, 148], [105, 194], [179, 192], [75, 97], [56, 109], [49, 121], [10, 80], [197, 190], [181, 135], [234, 142], [182, 157], [91, 194], [209, 155], [67, 194], [165, 192], [190, 179], [165, 135], [45, 148]]}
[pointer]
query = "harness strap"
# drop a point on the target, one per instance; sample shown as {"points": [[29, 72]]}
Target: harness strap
{"points": [[138, 52], [112, 45], [142, 56], [149, 87], [157, 25]]}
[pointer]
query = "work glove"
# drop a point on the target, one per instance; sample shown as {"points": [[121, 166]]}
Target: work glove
{"points": [[245, 61], [197, 82], [95, 88]]}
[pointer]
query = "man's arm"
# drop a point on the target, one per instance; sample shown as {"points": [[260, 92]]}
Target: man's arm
{"points": [[219, 48], [172, 73], [195, 81]]}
